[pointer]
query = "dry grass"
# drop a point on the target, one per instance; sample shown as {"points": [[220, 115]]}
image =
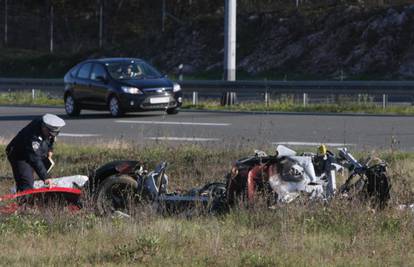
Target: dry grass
{"points": [[339, 233], [294, 235]]}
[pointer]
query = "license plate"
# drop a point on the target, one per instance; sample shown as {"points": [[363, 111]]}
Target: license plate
{"points": [[159, 100]]}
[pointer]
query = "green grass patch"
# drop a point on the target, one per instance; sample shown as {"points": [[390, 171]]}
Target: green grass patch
{"points": [[290, 106]]}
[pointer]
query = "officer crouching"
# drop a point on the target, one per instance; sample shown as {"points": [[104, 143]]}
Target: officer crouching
{"points": [[30, 147]]}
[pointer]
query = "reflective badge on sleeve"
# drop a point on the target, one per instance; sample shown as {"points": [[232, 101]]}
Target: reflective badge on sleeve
{"points": [[35, 145]]}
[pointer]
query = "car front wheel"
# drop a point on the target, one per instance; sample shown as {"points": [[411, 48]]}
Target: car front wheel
{"points": [[71, 107], [115, 107]]}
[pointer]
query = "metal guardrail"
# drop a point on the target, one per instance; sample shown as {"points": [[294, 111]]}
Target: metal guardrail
{"points": [[332, 87], [262, 88], [27, 84]]}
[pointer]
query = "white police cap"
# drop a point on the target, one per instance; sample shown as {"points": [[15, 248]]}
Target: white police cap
{"points": [[53, 122]]}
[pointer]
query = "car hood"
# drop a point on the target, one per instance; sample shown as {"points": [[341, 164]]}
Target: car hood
{"points": [[149, 83]]}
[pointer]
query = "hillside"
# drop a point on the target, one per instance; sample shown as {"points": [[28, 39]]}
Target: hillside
{"points": [[275, 39]]}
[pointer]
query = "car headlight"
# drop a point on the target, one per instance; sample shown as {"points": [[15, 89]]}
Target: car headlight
{"points": [[131, 90], [176, 87]]}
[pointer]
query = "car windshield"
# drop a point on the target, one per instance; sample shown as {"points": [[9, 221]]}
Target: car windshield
{"points": [[131, 70]]}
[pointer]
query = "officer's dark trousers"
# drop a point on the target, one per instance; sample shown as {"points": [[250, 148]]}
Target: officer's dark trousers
{"points": [[23, 174]]}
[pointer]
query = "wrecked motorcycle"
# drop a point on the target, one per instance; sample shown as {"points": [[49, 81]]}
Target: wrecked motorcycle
{"points": [[285, 176], [125, 184]]}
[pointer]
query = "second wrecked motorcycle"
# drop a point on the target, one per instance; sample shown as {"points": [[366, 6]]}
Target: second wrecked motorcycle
{"points": [[286, 175]]}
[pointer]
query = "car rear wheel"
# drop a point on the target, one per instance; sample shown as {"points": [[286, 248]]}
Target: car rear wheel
{"points": [[172, 111], [71, 106], [115, 107]]}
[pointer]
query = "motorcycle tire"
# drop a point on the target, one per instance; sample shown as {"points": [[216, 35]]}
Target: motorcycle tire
{"points": [[117, 193], [378, 185], [217, 194]]}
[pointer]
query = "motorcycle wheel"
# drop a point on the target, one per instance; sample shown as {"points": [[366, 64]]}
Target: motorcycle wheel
{"points": [[218, 200], [378, 185], [116, 194]]}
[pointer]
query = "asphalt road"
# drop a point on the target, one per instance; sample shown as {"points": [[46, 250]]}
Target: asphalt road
{"points": [[221, 129]]}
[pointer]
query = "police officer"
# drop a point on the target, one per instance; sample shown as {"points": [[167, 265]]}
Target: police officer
{"points": [[30, 147]]}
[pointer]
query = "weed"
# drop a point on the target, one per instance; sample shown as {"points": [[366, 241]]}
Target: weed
{"points": [[256, 260], [140, 251], [23, 225]]}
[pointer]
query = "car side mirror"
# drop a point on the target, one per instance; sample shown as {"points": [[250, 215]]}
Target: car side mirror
{"points": [[101, 79]]}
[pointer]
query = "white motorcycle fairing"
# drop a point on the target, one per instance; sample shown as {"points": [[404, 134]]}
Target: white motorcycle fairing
{"points": [[74, 181], [288, 190]]}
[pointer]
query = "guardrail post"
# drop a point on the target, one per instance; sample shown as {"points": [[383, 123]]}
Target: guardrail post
{"points": [[305, 99], [228, 98], [33, 94], [233, 98], [195, 98], [267, 98], [384, 101]]}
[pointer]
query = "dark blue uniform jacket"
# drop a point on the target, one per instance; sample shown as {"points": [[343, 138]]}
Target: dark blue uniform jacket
{"points": [[29, 145]]}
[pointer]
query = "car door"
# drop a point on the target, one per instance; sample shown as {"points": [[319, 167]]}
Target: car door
{"points": [[82, 84], [99, 84]]}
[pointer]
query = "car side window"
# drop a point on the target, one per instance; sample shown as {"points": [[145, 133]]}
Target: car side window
{"points": [[84, 71], [98, 71], [74, 70]]}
